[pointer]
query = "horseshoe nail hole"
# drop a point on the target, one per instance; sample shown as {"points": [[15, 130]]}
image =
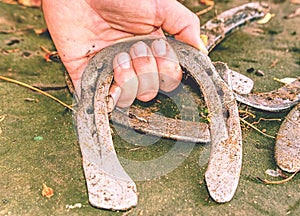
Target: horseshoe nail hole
{"points": [[90, 110], [226, 114], [93, 89], [220, 92], [209, 72]]}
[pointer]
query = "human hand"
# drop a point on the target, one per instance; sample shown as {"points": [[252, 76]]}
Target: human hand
{"points": [[82, 28]]}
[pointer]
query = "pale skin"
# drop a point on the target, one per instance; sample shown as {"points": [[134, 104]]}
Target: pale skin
{"points": [[82, 28]]}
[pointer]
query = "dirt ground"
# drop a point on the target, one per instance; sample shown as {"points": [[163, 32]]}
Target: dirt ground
{"points": [[38, 143]]}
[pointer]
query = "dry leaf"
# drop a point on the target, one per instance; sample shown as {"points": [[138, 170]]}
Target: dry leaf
{"points": [[266, 18], [47, 191], [204, 38], [40, 31], [207, 2], [30, 3]]}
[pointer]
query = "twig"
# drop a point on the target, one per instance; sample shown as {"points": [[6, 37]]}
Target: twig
{"points": [[265, 119], [247, 113], [49, 87], [13, 30], [255, 128], [280, 181], [204, 11], [37, 90], [45, 49], [274, 63]]}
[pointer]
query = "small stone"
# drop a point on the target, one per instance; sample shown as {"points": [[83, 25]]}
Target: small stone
{"points": [[26, 54], [259, 73], [250, 70], [5, 201]]}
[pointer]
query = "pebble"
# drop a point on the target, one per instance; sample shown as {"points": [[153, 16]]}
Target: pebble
{"points": [[250, 70], [259, 73]]}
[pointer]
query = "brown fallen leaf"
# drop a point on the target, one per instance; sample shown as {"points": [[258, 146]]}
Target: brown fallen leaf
{"points": [[30, 3], [207, 2], [40, 31], [47, 191]]}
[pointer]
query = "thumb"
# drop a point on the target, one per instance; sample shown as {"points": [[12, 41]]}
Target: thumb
{"points": [[179, 21]]}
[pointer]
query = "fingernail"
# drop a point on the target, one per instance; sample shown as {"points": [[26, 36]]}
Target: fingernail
{"points": [[115, 93], [124, 60], [140, 49], [160, 47]]}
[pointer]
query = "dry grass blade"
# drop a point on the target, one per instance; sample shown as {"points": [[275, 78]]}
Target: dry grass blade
{"points": [[208, 3], [280, 181], [37, 90], [255, 128], [204, 11]]}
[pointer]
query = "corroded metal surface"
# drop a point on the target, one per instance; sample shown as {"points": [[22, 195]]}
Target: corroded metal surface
{"points": [[239, 83], [274, 101], [147, 122], [108, 184], [217, 28], [287, 147]]}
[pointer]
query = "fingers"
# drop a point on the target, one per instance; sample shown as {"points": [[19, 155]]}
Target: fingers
{"points": [[141, 73], [179, 21], [146, 70], [126, 79], [170, 73]]}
